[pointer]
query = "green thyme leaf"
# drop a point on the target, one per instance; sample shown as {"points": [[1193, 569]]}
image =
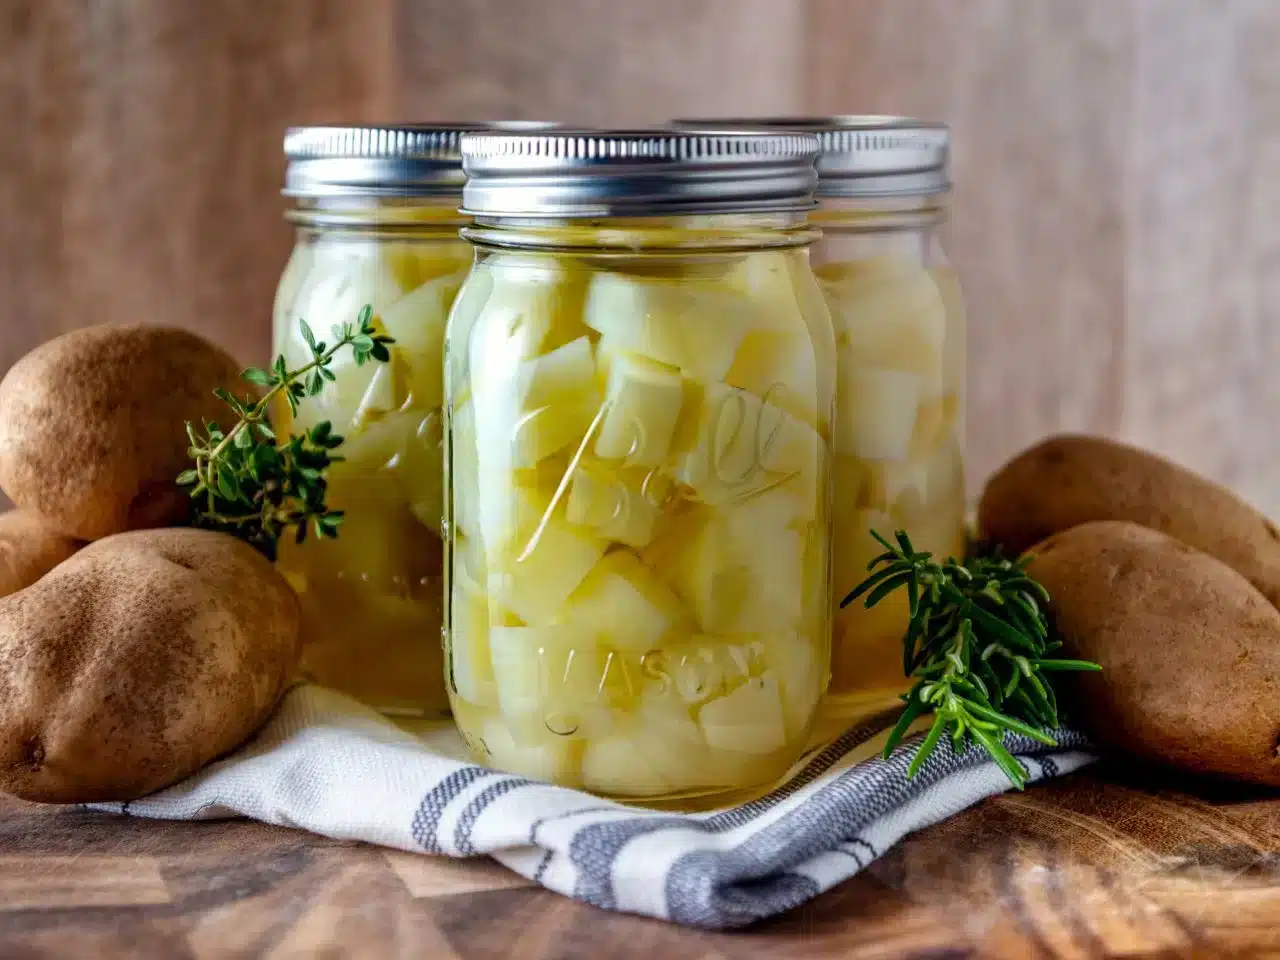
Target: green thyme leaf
{"points": [[250, 483], [258, 377]]}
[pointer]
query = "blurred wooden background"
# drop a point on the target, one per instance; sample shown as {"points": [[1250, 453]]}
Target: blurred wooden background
{"points": [[1116, 220]]}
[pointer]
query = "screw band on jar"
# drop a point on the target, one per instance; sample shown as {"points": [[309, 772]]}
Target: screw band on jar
{"points": [[575, 174], [411, 160], [865, 156]]}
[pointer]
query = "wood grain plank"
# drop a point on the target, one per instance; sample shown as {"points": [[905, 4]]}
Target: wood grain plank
{"points": [[425, 876], [593, 62], [1109, 862], [1105, 864], [1038, 95], [55, 881]]}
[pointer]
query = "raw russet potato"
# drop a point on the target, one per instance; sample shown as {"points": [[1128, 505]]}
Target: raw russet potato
{"points": [[1068, 480], [138, 661], [29, 550], [91, 425], [1190, 651]]}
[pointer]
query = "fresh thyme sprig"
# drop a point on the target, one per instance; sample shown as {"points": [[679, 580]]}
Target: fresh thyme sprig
{"points": [[978, 643], [249, 483]]}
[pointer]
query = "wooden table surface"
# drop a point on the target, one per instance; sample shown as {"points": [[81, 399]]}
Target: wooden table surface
{"points": [[1087, 866]]}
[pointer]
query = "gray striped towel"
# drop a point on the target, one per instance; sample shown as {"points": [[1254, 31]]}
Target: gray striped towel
{"points": [[329, 765]]}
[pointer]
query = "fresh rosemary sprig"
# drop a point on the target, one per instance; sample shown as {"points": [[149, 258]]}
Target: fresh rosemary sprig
{"points": [[978, 643], [249, 483]]}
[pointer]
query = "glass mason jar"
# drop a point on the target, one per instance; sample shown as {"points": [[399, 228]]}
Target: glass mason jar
{"points": [[639, 388], [899, 321], [377, 224]]}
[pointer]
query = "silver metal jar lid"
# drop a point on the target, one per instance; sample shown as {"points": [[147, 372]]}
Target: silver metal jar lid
{"points": [[865, 156], [420, 159], [661, 171]]}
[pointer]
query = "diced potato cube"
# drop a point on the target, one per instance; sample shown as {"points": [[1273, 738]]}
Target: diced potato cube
{"points": [[379, 397], [933, 512], [740, 578], [284, 322], [739, 445], [406, 443], [420, 467], [876, 411], [561, 399], [507, 513], [779, 367], [801, 676], [660, 752], [777, 362], [747, 720], [891, 315], [704, 667], [935, 419], [381, 548], [462, 324], [913, 485], [687, 555], [770, 510], [548, 676], [621, 604], [337, 299], [470, 668], [527, 309], [796, 342], [765, 276], [953, 351], [617, 505], [547, 405], [543, 566], [549, 757], [615, 766], [417, 322], [643, 399], [776, 598], [379, 442], [470, 550], [695, 326], [342, 293], [465, 468]]}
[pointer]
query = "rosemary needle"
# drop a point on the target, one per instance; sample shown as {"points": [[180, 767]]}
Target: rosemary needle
{"points": [[979, 646]]}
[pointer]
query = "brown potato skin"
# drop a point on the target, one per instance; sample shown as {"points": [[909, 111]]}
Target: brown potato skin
{"points": [[29, 550], [92, 429], [1190, 651], [1068, 480], [137, 662]]}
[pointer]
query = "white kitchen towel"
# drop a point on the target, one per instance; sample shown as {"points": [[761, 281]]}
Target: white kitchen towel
{"points": [[326, 764]]}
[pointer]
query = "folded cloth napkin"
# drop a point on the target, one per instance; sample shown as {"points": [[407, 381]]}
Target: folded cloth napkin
{"points": [[327, 764]]}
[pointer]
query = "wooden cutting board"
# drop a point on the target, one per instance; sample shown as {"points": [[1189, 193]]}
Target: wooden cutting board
{"points": [[1102, 863]]}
